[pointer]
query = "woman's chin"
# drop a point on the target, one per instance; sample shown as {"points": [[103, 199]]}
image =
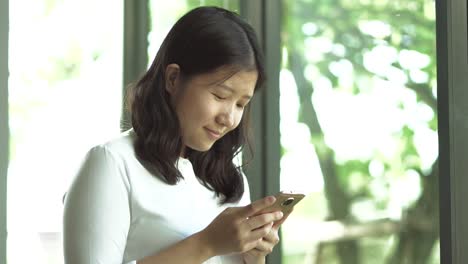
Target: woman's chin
{"points": [[201, 147]]}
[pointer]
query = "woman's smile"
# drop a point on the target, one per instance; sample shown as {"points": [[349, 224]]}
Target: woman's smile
{"points": [[213, 134]]}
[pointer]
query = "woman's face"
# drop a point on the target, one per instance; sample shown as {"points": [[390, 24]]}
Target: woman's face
{"points": [[208, 105]]}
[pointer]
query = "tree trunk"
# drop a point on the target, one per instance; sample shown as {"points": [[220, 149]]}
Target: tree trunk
{"points": [[415, 244], [338, 201]]}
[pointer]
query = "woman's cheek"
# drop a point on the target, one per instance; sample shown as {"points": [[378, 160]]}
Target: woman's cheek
{"points": [[238, 119]]}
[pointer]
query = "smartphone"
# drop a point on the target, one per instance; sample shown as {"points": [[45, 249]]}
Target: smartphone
{"points": [[285, 201]]}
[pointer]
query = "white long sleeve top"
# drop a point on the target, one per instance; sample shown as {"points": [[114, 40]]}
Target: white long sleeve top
{"points": [[117, 212]]}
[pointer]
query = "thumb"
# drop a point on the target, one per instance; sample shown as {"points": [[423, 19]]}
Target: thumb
{"points": [[281, 221]]}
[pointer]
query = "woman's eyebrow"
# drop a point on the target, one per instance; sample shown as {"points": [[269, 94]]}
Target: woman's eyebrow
{"points": [[230, 89]]}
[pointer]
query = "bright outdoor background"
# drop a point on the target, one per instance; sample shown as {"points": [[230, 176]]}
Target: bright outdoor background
{"points": [[358, 119], [65, 90]]}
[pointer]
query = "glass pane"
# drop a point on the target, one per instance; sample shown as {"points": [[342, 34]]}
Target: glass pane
{"points": [[359, 131], [65, 89], [165, 13]]}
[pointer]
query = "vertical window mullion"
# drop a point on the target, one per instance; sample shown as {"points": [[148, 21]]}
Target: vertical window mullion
{"points": [[4, 127], [136, 28], [251, 12], [264, 170], [452, 68]]}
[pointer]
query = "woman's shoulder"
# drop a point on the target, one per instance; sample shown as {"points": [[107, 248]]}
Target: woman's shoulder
{"points": [[121, 142], [120, 145]]}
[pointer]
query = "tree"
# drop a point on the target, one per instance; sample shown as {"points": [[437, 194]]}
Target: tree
{"points": [[391, 42]]}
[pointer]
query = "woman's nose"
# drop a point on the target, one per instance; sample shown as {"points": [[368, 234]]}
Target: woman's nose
{"points": [[226, 118]]}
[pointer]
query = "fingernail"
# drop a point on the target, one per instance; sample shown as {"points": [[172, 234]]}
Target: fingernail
{"points": [[271, 199], [280, 214]]}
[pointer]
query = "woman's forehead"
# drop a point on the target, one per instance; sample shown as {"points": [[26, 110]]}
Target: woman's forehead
{"points": [[243, 82], [228, 77]]}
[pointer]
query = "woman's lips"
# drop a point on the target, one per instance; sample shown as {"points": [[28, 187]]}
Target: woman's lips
{"points": [[213, 134]]}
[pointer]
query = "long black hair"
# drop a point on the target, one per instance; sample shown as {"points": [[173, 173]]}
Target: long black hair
{"points": [[203, 40]]}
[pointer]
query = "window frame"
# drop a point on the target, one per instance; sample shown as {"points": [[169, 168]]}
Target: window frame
{"points": [[4, 130], [135, 48], [452, 68], [264, 170], [452, 76]]}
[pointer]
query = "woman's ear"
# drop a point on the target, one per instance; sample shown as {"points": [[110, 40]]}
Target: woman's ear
{"points": [[172, 78]]}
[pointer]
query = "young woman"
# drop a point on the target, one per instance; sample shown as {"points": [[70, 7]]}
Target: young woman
{"points": [[167, 191]]}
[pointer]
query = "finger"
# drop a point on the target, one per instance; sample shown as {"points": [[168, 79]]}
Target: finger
{"points": [[256, 206], [265, 247], [250, 245], [260, 232], [281, 221], [256, 252], [272, 237], [263, 219]]}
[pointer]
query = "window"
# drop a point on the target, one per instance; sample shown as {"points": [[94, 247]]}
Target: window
{"points": [[65, 96], [165, 13], [65, 91], [359, 131]]}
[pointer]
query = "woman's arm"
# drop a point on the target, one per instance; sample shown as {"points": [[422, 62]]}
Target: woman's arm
{"points": [[97, 211], [235, 230], [97, 217], [97, 220], [193, 249]]}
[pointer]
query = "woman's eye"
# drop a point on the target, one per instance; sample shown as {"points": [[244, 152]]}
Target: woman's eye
{"points": [[219, 97], [240, 106]]}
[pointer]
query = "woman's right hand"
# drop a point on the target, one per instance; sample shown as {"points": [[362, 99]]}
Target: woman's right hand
{"points": [[239, 229]]}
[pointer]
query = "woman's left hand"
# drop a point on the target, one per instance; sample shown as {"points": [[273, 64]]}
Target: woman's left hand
{"points": [[265, 245]]}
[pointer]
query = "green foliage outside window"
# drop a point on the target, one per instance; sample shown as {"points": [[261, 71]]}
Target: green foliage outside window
{"points": [[359, 50]]}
